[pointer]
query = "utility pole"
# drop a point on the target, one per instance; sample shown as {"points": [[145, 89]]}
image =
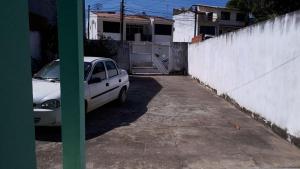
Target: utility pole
{"points": [[196, 13], [122, 6], [122, 9], [84, 19], [88, 27]]}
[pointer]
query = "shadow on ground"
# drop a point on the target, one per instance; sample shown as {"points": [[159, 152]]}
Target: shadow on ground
{"points": [[111, 116]]}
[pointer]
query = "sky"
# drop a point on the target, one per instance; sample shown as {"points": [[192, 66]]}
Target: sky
{"points": [[151, 7]]}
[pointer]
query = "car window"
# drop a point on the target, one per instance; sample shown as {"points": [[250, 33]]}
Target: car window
{"points": [[87, 69], [52, 71], [111, 69], [99, 71]]}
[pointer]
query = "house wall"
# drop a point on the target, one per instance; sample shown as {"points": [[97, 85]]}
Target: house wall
{"points": [[217, 22], [114, 36], [217, 15], [97, 31], [184, 25], [258, 67], [35, 45], [178, 57], [100, 26], [148, 28], [117, 36], [93, 29]]}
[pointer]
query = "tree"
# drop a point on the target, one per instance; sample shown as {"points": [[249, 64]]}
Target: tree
{"points": [[104, 47], [265, 9]]}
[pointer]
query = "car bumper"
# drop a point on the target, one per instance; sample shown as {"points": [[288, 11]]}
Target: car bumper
{"points": [[47, 117]]}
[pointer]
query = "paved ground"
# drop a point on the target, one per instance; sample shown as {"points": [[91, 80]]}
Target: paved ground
{"points": [[172, 122]]}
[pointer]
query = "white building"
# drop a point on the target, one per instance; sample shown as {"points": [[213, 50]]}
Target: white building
{"points": [[184, 25], [210, 21], [136, 27]]}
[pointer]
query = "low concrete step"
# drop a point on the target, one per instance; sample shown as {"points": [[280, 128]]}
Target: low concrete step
{"points": [[145, 70]]}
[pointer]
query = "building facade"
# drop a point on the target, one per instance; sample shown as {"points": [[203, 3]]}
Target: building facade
{"points": [[136, 27], [184, 25], [206, 20]]}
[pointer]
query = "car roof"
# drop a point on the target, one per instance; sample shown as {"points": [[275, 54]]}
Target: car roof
{"points": [[91, 59]]}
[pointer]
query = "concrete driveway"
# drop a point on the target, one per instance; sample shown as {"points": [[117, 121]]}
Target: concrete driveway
{"points": [[172, 122]]}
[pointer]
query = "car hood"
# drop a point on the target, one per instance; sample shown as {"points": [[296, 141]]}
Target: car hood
{"points": [[45, 90]]}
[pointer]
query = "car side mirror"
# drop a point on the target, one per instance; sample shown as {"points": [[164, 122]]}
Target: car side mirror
{"points": [[94, 80]]}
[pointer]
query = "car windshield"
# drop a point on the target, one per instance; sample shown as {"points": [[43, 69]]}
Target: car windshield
{"points": [[52, 71]]}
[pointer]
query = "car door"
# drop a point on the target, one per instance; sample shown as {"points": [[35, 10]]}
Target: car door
{"points": [[98, 86], [113, 79]]}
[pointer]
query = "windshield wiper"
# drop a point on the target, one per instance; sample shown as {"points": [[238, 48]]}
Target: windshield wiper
{"points": [[52, 79], [38, 77]]}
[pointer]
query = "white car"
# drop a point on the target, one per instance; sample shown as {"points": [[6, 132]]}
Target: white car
{"points": [[103, 82]]}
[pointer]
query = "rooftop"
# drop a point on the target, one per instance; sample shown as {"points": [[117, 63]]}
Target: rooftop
{"points": [[216, 7], [177, 11], [142, 18]]}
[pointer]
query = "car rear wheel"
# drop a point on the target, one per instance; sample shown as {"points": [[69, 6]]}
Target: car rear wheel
{"points": [[122, 96]]}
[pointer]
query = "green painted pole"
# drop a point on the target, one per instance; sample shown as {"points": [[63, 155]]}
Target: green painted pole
{"points": [[17, 145], [71, 55]]}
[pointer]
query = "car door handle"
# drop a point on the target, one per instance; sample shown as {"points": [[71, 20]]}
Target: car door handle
{"points": [[107, 84], [120, 80]]}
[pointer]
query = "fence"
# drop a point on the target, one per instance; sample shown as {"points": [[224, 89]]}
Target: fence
{"points": [[166, 58], [162, 58], [258, 67]]}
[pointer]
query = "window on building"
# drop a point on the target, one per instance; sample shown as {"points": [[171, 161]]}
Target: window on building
{"points": [[111, 27], [240, 17], [225, 15], [131, 30], [208, 30], [210, 16], [161, 29], [202, 16]]}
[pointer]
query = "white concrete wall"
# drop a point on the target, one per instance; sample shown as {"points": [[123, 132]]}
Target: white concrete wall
{"points": [[93, 29], [184, 26], [259, 67]]}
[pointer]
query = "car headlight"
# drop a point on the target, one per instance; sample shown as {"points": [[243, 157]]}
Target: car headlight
{"points": [[50, 104]]}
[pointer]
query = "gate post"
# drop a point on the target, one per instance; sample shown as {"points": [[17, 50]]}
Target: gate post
{"points": [[70, 29], [17, 145]]}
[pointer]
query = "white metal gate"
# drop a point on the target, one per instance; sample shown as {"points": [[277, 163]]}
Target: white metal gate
{"points": [[149, 57]]}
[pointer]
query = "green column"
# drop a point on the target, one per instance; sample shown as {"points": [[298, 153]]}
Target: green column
{"points": [[17, 145], [71, 55]]}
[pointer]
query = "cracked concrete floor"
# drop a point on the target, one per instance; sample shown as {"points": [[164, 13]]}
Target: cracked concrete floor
{"points": [[172, 122]]}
